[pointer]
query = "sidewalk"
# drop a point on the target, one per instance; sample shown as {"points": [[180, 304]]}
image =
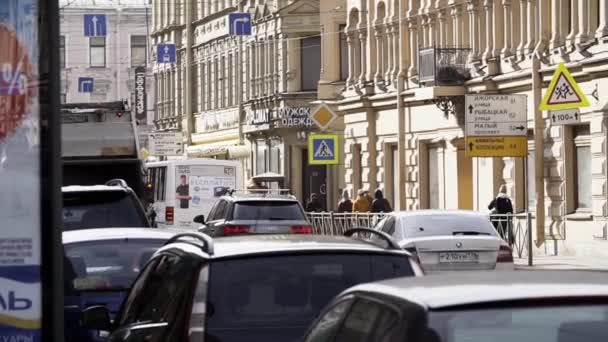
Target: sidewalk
{"points": [[551, 262]]}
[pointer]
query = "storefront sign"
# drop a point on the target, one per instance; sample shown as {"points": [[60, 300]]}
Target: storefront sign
{"points": [[294, 117], [20, 243], [257, 120], [140, 94]]}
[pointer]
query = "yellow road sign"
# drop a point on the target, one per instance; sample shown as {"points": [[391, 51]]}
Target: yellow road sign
{"points": [[323, 116], [563, 92], [477, 146], [323, 149]]}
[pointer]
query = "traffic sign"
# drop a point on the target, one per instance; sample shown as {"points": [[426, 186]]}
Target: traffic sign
{"points": [[496, 125], [497, 146], [565, 116], [323, 116], [165, 53], [95, 25], [563, 92], [323, 149], [165, 144], [240, 24], [86, 84]]}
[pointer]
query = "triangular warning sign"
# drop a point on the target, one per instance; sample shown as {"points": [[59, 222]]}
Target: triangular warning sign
{"points": [[323, 151], [563, 92]]}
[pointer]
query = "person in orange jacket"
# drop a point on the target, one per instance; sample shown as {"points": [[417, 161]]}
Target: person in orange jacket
{"points": [[362, 204]]}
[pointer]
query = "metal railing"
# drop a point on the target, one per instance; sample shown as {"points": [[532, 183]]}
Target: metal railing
{"points": [[443, 66], [515, 229]]}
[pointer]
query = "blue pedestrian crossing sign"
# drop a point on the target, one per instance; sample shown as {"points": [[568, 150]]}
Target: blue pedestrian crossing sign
{"points": [[323, 149], [165, 53], [85, 84], [95, 25], [240, 24]]}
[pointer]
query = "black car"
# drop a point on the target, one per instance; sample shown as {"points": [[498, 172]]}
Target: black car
{"points": [[264, 212], [539, 306], [245, 288], [102, 206]]}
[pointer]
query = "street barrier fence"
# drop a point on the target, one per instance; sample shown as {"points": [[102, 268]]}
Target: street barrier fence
{"points": [[515, 229]]}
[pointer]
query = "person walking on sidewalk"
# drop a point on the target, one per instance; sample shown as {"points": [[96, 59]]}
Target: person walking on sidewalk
{"points": [[362, 204], [380, 204], [345, 205], [502, 206], [315, 204]]}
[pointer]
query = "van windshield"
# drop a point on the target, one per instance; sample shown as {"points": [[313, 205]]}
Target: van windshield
{"points": [[276, 298], [101, 209]]}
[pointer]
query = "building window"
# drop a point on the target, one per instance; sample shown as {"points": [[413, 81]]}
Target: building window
{"points": [[231, 82], [582, 156], [310, 54], [433, 172], [138, 50], [222, 84], [62, 51], [97, 52], [343, 54], [261, 157]]}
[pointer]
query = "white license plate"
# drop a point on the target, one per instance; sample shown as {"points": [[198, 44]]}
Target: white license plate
{"points": [[455, 257]]}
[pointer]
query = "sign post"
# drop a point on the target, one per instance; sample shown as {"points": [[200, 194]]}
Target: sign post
{"points": [[164, 144], [496, 126]]}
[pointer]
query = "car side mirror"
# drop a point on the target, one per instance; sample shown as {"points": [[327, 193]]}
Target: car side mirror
{"points": [[96, 318], [199, 219]]}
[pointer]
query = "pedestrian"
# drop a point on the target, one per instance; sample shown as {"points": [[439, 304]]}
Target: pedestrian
{"points": [[345, 205], [362, 204], [380, 204], [314, 205], [503, 208]]}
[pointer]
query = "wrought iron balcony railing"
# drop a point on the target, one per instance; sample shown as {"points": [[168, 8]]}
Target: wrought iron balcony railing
{"points": [[443, 66]]}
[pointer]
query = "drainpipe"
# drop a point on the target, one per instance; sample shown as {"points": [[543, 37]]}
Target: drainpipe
{"points": [[189, 62], [539, 146]]}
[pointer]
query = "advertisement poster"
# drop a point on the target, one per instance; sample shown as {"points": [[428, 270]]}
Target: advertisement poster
{"points": [[199, 186], [20, 292]]}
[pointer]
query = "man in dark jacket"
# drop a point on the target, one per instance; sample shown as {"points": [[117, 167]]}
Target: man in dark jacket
{"points": [[503, 208], [315, 204], [380, 204]]}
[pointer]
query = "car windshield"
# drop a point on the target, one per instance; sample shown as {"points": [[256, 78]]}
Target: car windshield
{"points": [[431, 225], [588, 323], [276, 298], [268, 210], [100, 209], [107, 264]]}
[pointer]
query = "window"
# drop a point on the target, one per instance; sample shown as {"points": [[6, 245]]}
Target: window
{"points": [[261, 157], [275, 156], [582, 156], [138, 50], [195, 86], [220, 211], [101, 209], [367, 321], [284, 293], [268, 210], [343, 54], [159, 179], [62, 52], [97, 52], [310, 54], [231, 82], [433, 174], [325, 330], [222, 85]]}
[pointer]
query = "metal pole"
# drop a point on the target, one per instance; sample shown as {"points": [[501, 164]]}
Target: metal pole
{"points": [[51, 176], [530, 244], [189, 63]]}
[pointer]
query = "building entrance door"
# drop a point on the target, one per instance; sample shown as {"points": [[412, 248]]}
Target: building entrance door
{"points": [[314, 181]]}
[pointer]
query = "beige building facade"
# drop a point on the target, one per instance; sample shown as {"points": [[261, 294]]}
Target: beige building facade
{"points": [[411, 64]]}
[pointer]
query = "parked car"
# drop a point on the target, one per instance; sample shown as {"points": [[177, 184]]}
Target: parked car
{"points": [[100, 265], [258, 212], [102, 206], [540, 306], [449, 240], [245, 288]]}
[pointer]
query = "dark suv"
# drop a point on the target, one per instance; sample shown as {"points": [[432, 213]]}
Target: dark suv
{"points": [[262, 213], [245, 288], [102, 206]]}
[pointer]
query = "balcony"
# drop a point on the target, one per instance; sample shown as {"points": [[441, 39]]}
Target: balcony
{"points": [[443, 66]]}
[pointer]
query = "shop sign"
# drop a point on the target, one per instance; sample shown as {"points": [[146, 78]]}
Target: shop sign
{"points": [[294, 117], [141, 112], [257, 120]]}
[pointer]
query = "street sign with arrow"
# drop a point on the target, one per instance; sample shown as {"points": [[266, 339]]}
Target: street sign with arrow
{"points": [[565, 116], [496, 125]]}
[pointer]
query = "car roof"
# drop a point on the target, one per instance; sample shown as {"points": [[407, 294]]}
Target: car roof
{"points": [[441, 291], [100, 234], [439, 212], [277, 198], [235, 246], [88, 188]]}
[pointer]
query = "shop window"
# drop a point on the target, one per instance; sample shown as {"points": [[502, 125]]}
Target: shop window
{"points": [[261, 157]]}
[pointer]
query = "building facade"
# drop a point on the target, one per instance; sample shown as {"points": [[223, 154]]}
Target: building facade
{"points": [[111, 61], [412, 62], [248, 97]]}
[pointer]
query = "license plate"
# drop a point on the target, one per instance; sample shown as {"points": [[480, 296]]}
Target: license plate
{"points": [[456, 257], [74, 118]]}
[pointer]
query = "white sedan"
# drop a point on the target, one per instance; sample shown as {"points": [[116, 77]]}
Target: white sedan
{"points": [[449, 240]]}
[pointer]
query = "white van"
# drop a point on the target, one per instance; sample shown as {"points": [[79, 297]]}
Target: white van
{"points": [[187, 188]]}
